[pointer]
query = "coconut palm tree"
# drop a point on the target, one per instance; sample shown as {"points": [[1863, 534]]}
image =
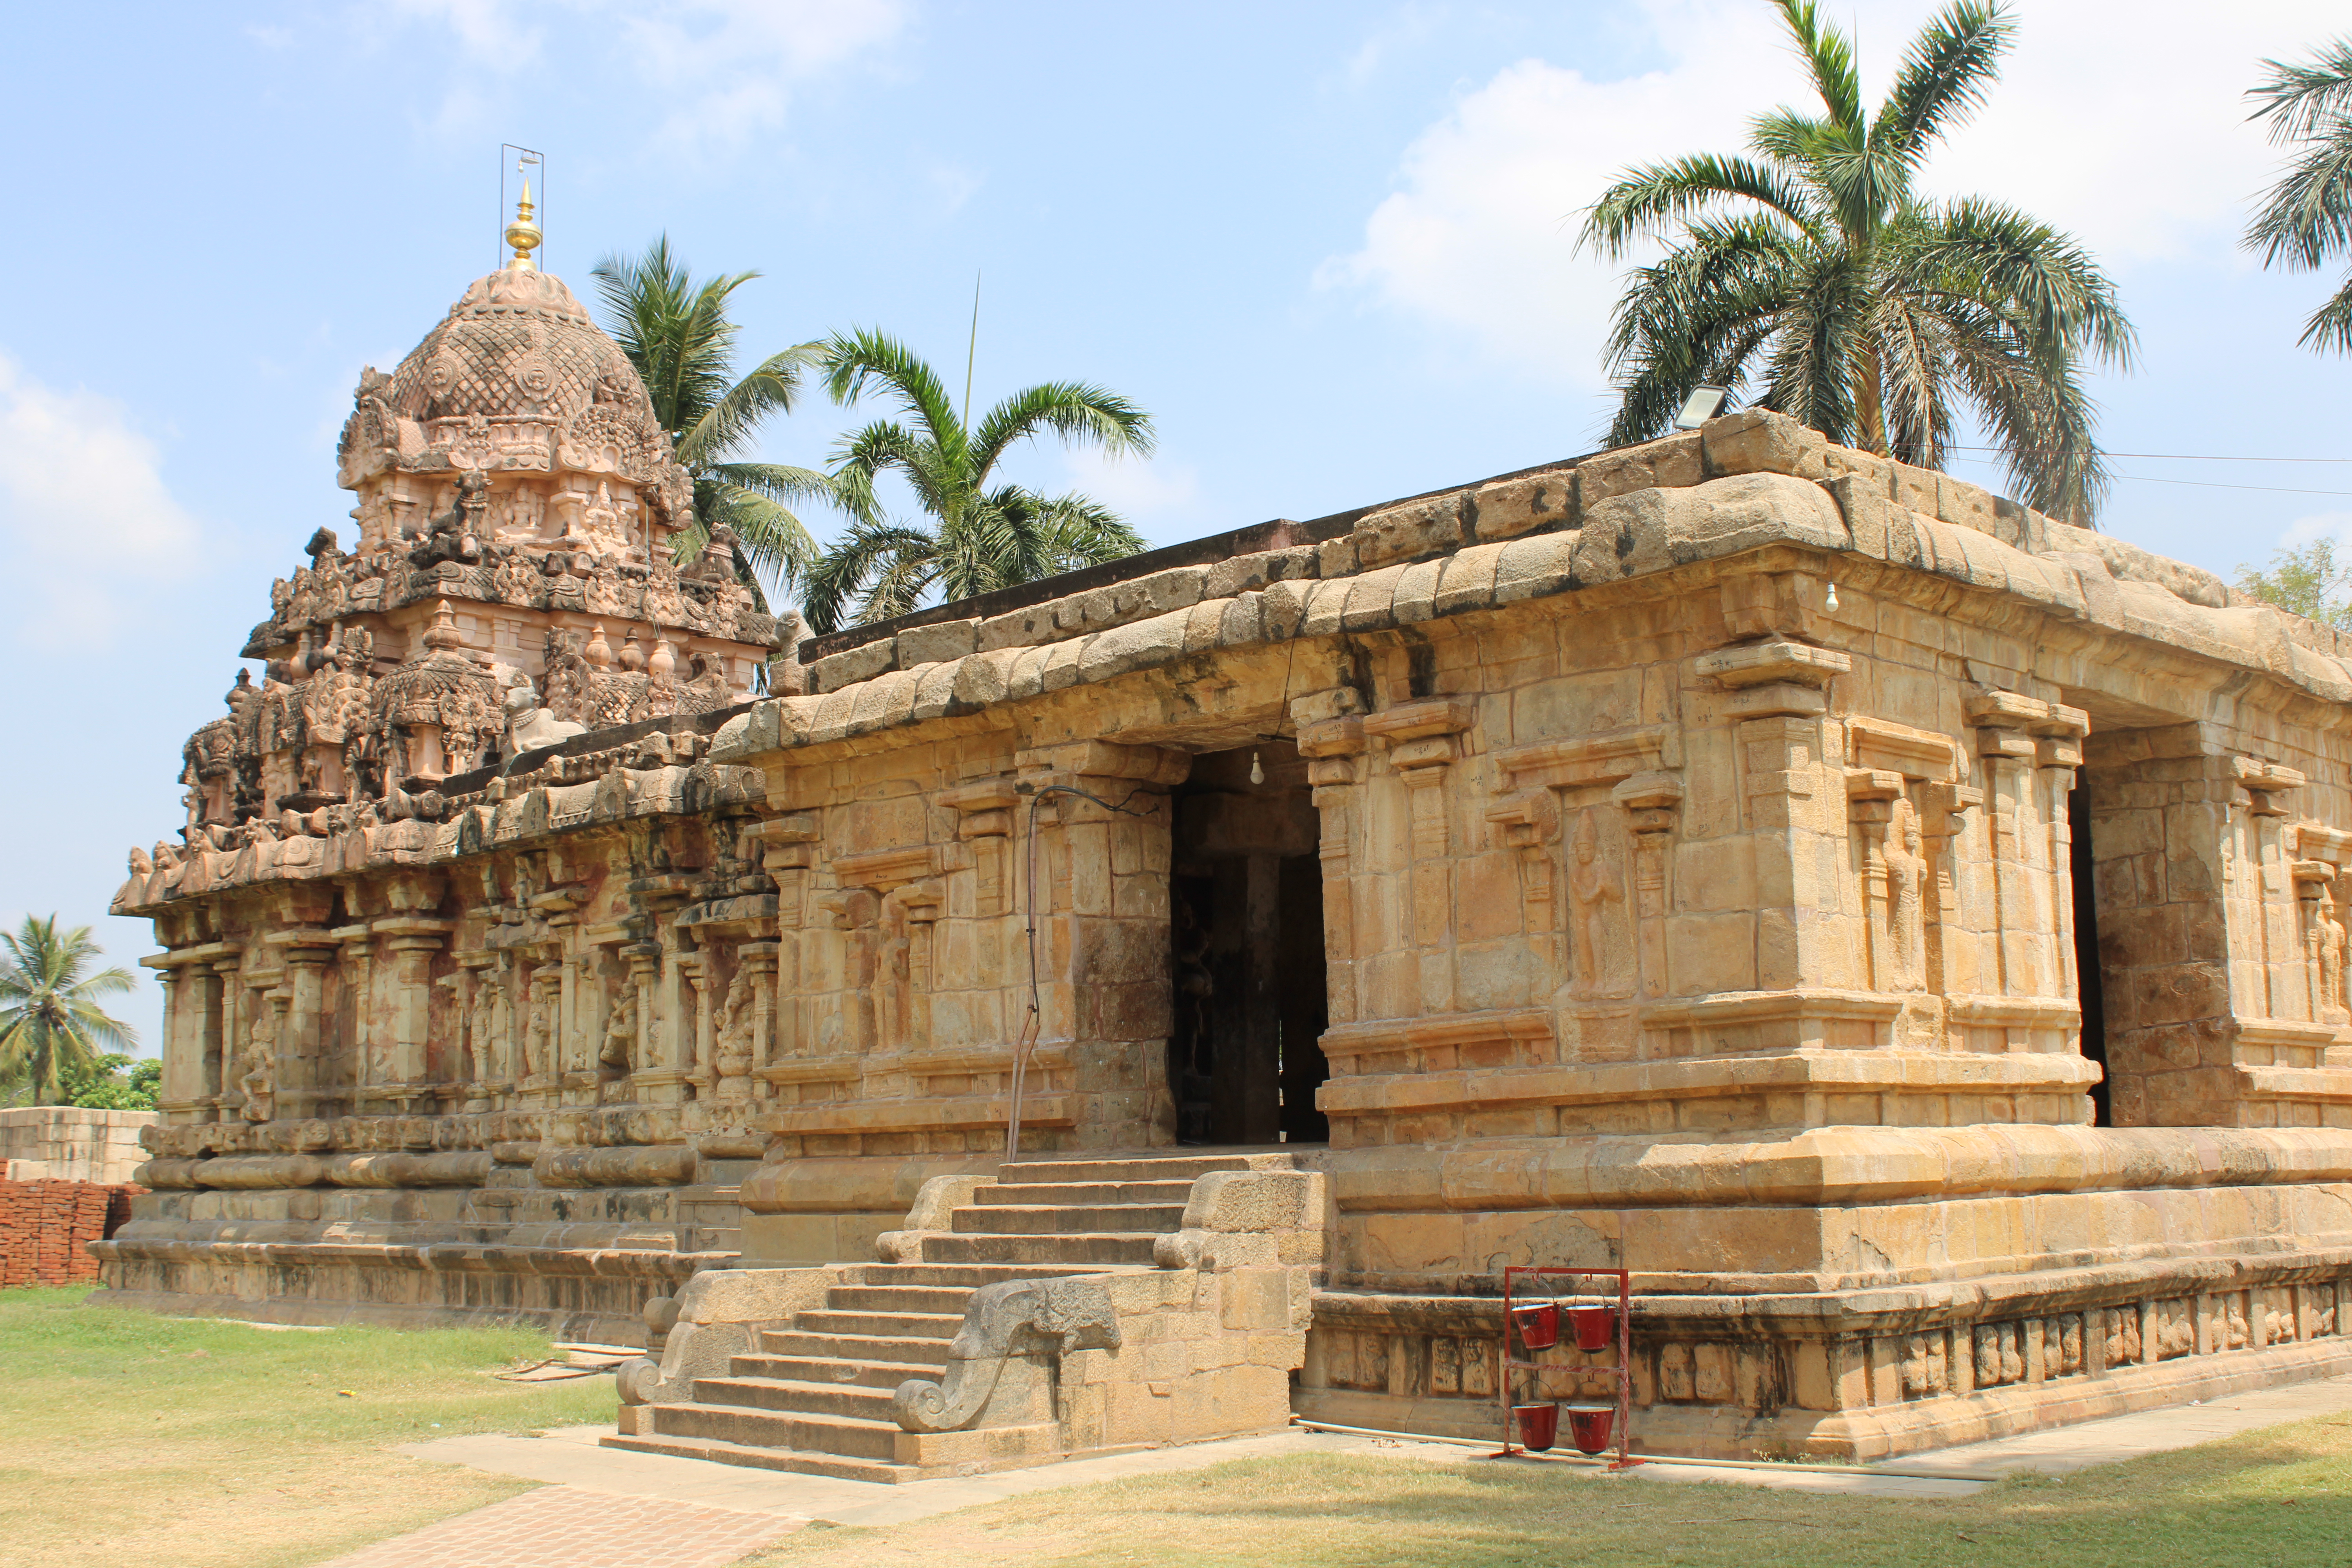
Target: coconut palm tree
{"points": [[51, 1025], [983, 535], [2307, 216], [677, 335], [1812, 278]]}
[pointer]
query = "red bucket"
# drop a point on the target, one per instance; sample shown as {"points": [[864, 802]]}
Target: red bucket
{"points": [[1594, 1327], [1538, 1425], [1588, 1425], [1537, 1326]]}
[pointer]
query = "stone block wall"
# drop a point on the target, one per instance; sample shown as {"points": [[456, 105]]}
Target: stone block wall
{"points": [[67, 1144]]}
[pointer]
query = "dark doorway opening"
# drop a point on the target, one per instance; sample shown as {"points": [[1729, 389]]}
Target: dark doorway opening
{"points": [[2088, 975], [1245, 923]]}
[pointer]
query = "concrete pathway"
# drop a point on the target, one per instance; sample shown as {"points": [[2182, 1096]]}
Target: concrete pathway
{"points": [[648, 1511], [567, 1527]]}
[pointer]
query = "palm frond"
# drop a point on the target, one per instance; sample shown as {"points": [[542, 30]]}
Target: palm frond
{"points": [[2306, 216], [1945, 73], [2330, 326], [2302, 100], [1649, 201], [857, 361], [729, 421], [1828, 55], [1075, 411]]}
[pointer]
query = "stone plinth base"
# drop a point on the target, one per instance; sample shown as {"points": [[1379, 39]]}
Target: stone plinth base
{"points": [[580, 1265], [1848, 1293]]}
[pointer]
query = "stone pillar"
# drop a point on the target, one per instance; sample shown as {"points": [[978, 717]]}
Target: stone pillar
{"points": [[1778, 697], [408, 1069], [181, 1063], [368, 1068], [1102, 927], [985, 820], [1650, 800], [697, 975], [304, 1077], [1331, 738], [2027, 748], [1422, 745], [791, 851]]}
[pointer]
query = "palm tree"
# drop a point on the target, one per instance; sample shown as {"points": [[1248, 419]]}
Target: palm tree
{"points": [[983, 535], [51, 1027], [1814, 277], [678, 335], [2307, 216]]}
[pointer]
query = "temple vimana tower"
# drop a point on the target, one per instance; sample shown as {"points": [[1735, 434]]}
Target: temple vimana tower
{"points": [[1907, 933]]}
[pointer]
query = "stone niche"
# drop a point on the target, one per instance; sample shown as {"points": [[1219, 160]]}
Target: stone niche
{"points": [[1903, 931]]}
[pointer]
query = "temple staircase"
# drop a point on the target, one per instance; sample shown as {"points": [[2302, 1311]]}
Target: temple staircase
{"points": [[816, 1395]]}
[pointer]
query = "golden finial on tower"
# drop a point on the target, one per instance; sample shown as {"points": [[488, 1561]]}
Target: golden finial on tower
{"points": [[523, 234]]}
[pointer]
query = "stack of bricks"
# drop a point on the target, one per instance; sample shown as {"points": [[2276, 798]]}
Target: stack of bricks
{"points": [[45, 1228]]}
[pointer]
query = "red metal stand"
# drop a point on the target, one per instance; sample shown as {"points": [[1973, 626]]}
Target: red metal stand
{"points": [[1623, 1369]]}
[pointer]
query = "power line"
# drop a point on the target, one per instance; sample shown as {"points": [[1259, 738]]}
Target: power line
{"points": [[2209, 485], [2181, 456], [2216, 485]]}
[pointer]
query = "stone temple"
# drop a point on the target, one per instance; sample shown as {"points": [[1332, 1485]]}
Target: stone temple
{"points": [[1907, 932]]}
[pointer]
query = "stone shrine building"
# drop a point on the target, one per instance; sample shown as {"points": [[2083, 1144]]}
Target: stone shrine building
{"points": [[1907, 933]]}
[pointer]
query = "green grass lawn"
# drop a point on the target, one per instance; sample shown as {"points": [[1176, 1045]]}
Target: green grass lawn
{"points": [[2283, 1496], [141, 1439]]}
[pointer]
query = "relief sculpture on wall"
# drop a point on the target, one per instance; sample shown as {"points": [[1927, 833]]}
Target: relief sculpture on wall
{"points": [[1596, 889]]}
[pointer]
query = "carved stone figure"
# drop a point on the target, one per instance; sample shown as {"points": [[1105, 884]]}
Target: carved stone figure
{"points": [[482, 1028], [1907, 874], [2334, 1005], [531, 725], [619, 1048], [732, 1042], [538, 1037], [893, 978], [1597, 889], [259, 1080]]}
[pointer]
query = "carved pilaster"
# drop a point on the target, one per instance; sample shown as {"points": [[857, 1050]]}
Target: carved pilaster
{"points": [[1650, 800], [1779, 694]]}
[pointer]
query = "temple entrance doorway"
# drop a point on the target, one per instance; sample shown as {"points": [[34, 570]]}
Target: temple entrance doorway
{"points": [[1245, 960], [2089, 979]]}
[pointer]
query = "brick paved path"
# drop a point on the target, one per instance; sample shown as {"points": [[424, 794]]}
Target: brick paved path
{"points": [[567, 1527]]}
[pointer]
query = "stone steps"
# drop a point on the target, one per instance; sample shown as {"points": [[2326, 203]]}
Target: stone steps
{"points": [[816, 1397], [931, 1353], [898, 1298], [754, 1456], [1047, 1194], [1081, 1248], [830, 1370], [1144, 1168], [881, 1325], [844, 1436], [859, 1401], [1062, 1219], [971, 1275]]}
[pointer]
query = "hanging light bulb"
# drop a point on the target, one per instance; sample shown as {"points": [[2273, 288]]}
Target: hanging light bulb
{"points": [[1830, 604], [1257, 769]]}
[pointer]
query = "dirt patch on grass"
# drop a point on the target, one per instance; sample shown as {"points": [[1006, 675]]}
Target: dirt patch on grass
{"points": [[136, 1438]]}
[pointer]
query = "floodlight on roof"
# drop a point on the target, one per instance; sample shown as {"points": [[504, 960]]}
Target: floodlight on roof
{"points": [[1700, 407]]}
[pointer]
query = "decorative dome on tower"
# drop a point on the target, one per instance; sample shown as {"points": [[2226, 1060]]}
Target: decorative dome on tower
{"points": [[516, 378]]}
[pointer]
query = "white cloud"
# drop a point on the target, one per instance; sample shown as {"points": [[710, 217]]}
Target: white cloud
{"points": [[87, 525], [2316, 525], [727, 67], [1141, 490], [2131, 133]]}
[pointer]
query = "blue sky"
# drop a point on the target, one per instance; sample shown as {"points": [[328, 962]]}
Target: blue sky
{"points": [[1330, 247]]}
